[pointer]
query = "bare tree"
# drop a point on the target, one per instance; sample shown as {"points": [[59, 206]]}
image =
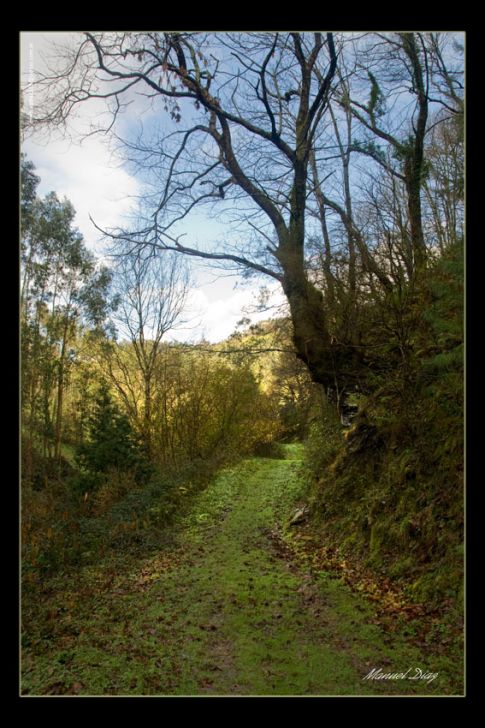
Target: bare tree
{"points": [[240, 85], [252, 142], [151, 293], [399, 79]]}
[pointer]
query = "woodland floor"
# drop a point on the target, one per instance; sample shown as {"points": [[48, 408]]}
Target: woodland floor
{"points": [[221, 609]]}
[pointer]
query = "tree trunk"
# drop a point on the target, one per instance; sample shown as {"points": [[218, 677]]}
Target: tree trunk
{"points": [[60, 393], [58, 428], [148, 413], [414, 163], [310, 333]]}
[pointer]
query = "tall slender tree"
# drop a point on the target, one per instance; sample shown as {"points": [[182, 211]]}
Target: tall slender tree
{"points": [[151, 293], [62, 286]]}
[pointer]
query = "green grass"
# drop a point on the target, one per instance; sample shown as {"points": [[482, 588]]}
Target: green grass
{"points": [[221, 612]]}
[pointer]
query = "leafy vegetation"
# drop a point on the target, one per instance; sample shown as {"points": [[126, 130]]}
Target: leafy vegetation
{"points": [[216, 606], [111, 444], [282, 512], [390, 487]]}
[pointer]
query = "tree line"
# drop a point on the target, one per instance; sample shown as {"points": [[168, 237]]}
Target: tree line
{"points": [[336, 159]]}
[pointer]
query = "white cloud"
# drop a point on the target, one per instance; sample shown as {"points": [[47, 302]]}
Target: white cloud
{"points": [[86, 172], [88, 177], [214, 320]]}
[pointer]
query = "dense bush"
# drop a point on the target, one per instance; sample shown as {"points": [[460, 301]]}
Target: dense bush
{"points": [[112, 445]]}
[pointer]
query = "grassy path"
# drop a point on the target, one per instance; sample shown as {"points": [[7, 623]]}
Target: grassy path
{"points": [[222, 612]]}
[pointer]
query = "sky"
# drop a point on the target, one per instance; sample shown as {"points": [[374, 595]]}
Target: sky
{"points": [[94, 179]]}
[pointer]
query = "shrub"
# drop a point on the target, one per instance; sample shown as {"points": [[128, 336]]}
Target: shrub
{"points": [[112, 445]]}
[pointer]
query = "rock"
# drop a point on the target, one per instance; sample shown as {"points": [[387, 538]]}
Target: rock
{"points": [[300, 516]]}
